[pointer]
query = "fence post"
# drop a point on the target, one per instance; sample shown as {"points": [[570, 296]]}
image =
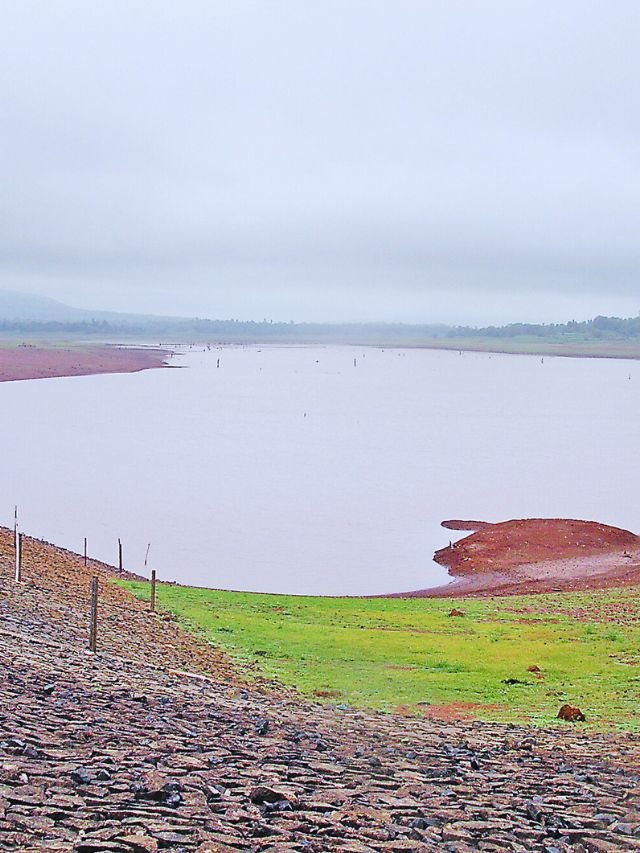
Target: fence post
{"points": [[85, 550], [93, 616], [120, 555], [153, 590], [18, 546]]}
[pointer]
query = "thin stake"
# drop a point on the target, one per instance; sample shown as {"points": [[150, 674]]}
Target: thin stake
{"points": [[93, 616], [85, 550], [120, 555], [18, 545], [153, 590]]}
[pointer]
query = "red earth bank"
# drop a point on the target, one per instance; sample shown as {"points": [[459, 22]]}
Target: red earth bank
{"points": [[38, 362], [537, 555]]}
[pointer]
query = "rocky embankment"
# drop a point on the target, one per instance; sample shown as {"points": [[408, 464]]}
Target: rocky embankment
{"points": [[152, 743]]}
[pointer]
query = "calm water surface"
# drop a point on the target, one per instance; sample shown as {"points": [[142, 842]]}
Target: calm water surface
{"points": [[292, 470]]}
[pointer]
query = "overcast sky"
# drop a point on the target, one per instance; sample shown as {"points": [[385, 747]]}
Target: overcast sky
{"points": [[418, 161]]}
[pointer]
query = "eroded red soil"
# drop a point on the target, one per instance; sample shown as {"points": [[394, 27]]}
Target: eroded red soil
{"points": [[504, 546], [537, 555], [38, 362]]}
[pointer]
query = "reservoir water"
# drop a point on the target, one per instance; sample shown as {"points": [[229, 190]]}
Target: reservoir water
{"points": [[316, 470]]}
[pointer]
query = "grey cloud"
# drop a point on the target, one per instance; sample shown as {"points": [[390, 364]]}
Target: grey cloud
{"points": [[338, 160]]}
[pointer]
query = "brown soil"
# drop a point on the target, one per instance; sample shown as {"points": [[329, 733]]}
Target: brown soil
{"points": [[537, 555], [40, 362], [500, 547], [458, 711]]}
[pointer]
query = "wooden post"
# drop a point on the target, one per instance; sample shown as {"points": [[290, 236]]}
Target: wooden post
{"points": [[120, 555], [85, 550], [153, 590], [18, 546], [93, 616]]}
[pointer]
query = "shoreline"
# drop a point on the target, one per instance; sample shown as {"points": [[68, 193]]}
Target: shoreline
{"points": [[24, 361], [569, 567], [31, 361], [613, 349], [493, 346]]}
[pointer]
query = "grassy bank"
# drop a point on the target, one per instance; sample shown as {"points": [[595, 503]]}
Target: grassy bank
{"points": [[540, 346], [410, 655]]}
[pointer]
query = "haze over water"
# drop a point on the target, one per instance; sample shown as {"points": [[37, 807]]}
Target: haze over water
{"points": [[292, 470]]}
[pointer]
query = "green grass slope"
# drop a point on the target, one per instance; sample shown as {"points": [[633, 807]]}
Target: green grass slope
{"points": [[410, 655]]}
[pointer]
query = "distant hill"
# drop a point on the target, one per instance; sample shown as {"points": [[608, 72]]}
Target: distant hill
{"points": [[16, 307], [29, 306], [33, 315]]}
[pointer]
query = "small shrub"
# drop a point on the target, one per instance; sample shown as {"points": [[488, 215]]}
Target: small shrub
{"points": [[446, 666], [613, 635]]}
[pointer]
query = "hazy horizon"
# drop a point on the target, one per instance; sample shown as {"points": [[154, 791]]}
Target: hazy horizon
{"points": [[26, 306], [338, 162]]}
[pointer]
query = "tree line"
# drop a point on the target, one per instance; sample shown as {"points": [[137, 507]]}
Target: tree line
{"points": [[599, 328]]}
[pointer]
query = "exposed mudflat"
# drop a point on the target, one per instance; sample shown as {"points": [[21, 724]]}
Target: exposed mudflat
{"points": [[35, 362], [536, 555]]}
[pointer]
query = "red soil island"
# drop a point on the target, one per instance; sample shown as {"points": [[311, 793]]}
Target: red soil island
{"points": [[40, 362], [535, 555]]}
